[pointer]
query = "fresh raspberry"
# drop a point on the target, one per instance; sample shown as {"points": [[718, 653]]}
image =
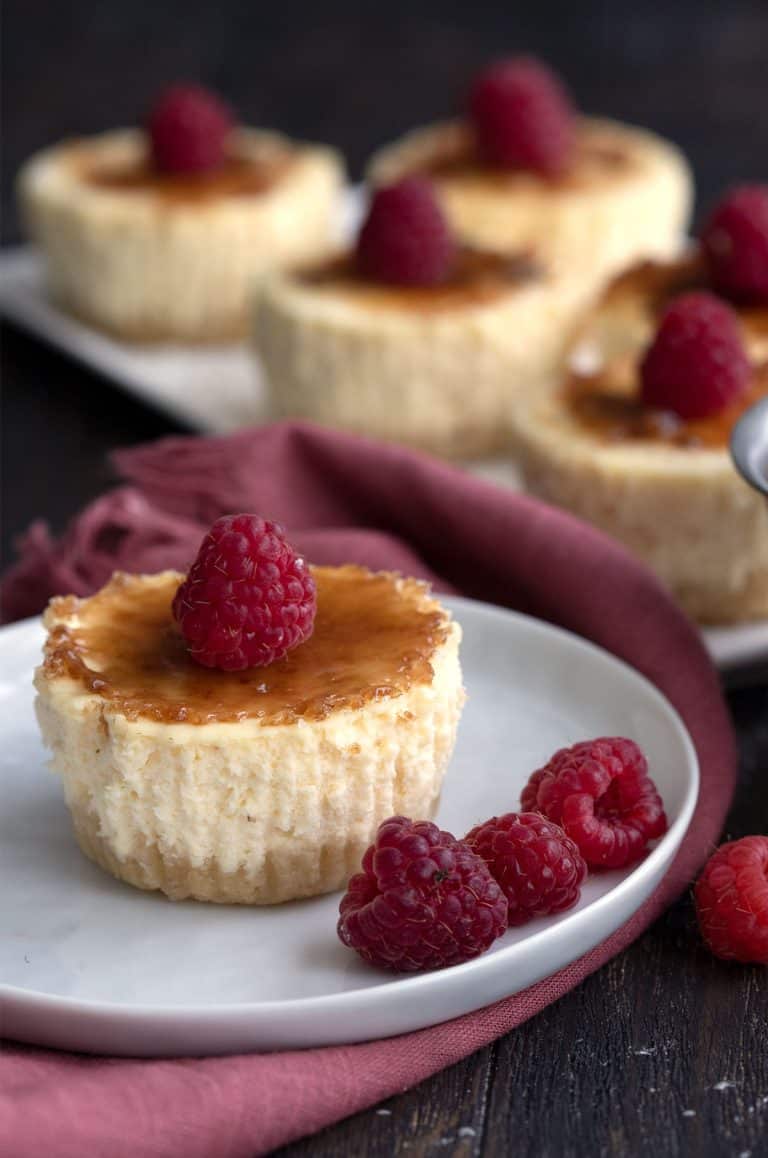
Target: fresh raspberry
{"points": [[523, 116], [405, 239], [732, 900], [600, 792], [735, 244], [539, 868], [696, 364], [188, 128], [248, 597], [424, 900]]}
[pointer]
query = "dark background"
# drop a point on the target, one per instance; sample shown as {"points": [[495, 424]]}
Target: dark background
{"points": [[634, 1061]]}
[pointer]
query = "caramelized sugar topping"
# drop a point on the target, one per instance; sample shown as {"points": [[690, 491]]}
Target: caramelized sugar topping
{"points": [[652, 284], [477, 278], [599, 155], [615, 415], [606, 400], [374, 638], [239, 176]]}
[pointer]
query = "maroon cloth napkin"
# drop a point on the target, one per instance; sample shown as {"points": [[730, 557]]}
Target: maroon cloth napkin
{"points": [[344, 499]]}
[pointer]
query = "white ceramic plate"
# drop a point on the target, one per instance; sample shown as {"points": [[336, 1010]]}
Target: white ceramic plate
{"points": [[219, 389], [89, 963]]}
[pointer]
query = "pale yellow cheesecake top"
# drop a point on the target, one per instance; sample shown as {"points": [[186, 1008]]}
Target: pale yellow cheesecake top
{"points": [[476, 277], [374, 638], [606, 152], [253, 164], [115, 168]]}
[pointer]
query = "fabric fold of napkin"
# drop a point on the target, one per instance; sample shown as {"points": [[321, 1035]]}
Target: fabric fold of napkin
{"points": [[343, 499]]}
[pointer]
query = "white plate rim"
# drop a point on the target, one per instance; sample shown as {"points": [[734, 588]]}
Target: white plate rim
{"points": [[349, 1001]]}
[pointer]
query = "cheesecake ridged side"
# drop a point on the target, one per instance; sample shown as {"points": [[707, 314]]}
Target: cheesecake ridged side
{"points": [[683, 511], [442, 381]]}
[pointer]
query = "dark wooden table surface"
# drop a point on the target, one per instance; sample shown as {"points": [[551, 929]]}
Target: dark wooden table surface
{"points": [[665, 1050]]}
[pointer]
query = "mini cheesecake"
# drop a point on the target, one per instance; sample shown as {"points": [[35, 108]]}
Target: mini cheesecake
{"points": [[256, 786], [156, 256], [664, 486], [438, 367], [626, 194]]}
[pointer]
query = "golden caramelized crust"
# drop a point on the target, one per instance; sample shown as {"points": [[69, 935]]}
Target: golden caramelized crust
{"points": [[607, 404], [244, 173], [478, 278], [625, 316], [449, 152], [374, 639]]}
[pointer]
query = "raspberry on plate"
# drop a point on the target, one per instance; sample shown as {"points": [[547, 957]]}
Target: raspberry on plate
{"points": [[731, 898], [600, 792], [424, 900], [188, 127], [248, 598], [523, 117], [735, 243], [405, 239], [539, 868], [696, 364]]}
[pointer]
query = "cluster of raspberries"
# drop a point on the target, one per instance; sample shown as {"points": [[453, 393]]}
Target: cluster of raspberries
{"points": [[425, 899]]}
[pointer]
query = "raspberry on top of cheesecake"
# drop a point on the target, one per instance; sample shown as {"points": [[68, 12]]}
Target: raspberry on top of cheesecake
{"points": [[522, 127], [406, 257], [236, 735]]}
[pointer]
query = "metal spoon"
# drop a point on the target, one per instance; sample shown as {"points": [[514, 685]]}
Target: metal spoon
{"points": [[749, 446]]}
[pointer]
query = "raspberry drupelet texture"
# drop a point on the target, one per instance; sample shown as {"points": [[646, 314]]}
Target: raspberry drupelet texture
{"points": [[405, 239], [188, 128], [735, 243], [539, 868], [696, 364], [523, 117], [424, 900], [600, 792], [248, 598], [732, 901]]}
